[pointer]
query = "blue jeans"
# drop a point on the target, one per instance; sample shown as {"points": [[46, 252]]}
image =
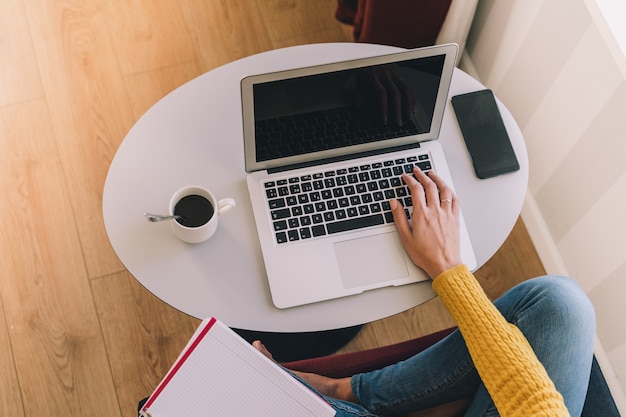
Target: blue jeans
{"points": [[554, 314]]}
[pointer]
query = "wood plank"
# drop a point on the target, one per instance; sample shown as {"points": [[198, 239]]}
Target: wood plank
{"points": [[223, 31], [57, 345], [334, 34], [286, 20], [11, 404], [146, 345], [148, 34], [89, 110], [146, 88], [419, 321], [19, 72]]}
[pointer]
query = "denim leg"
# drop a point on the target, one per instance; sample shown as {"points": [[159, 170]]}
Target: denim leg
{"points": [[440, 374], [555, 316]]}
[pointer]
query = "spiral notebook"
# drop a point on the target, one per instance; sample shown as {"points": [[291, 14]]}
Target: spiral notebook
{"points": [[220, 374]]}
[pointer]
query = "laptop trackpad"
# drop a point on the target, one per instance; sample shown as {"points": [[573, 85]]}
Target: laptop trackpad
{"points": [[371, 260]]}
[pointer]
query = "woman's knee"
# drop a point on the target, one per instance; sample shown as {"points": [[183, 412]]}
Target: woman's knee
{"points": [[559, 298], [562, 293], [558, 320]]}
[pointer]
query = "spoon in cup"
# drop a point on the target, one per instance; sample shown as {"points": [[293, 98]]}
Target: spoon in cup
{"points": [[161, 217]]}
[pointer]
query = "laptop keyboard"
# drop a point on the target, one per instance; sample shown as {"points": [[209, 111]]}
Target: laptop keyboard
{"points": [[334, 201]]}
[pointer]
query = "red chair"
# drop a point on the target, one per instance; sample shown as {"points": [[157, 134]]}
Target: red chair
{"points": [[408, 23], [348, 364]]}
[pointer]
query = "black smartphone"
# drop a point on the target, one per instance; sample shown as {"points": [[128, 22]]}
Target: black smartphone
{"points": [[484, 133]]}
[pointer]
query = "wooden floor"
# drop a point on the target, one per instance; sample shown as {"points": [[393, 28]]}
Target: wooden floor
{"points": [[78, 335]]}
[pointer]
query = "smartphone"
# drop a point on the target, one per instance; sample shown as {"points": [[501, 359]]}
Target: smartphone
{"points": [[484, 134]]}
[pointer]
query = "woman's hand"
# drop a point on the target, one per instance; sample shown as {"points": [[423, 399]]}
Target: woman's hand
{"points": [[433, 241]]}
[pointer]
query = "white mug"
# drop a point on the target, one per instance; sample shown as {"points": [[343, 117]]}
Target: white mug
{"points": [[205, 216]]}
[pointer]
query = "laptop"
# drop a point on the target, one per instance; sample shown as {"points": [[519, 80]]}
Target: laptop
{"points": [[325, 147]]}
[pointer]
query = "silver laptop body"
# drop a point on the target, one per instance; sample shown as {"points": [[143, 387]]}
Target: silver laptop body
{"points": [[324, 149]]}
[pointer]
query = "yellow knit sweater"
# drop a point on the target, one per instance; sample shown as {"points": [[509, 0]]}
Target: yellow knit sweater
{"points": [[517, 382]]}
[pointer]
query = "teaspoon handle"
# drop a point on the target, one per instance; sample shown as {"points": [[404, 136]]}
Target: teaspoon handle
{"points": [[160, 217]]}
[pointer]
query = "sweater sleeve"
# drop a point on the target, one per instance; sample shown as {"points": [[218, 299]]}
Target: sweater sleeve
{"points": [[517, 382]]}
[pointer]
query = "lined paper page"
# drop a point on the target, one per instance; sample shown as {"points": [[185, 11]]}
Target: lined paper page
{"points": [[223, 375]]}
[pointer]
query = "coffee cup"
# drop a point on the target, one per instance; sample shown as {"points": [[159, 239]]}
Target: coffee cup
{"points": [[199, 212]]}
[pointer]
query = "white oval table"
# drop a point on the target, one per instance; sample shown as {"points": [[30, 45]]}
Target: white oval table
{"points": [[194, 136]]}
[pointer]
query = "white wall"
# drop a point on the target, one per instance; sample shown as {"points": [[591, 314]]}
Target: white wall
{"points": [[556, 66]]}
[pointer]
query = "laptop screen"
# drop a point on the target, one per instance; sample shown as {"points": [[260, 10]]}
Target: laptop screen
{"points": [[302, 115]]}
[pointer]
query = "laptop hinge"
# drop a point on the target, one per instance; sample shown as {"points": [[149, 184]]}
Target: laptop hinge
{"points": [[343, 158]]}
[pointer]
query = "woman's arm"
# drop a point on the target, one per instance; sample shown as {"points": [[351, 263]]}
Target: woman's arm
{"points": [[516, 380], [514, 377]]}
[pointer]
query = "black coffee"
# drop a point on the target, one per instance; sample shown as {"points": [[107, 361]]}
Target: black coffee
{"points": [[194, 209]]}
